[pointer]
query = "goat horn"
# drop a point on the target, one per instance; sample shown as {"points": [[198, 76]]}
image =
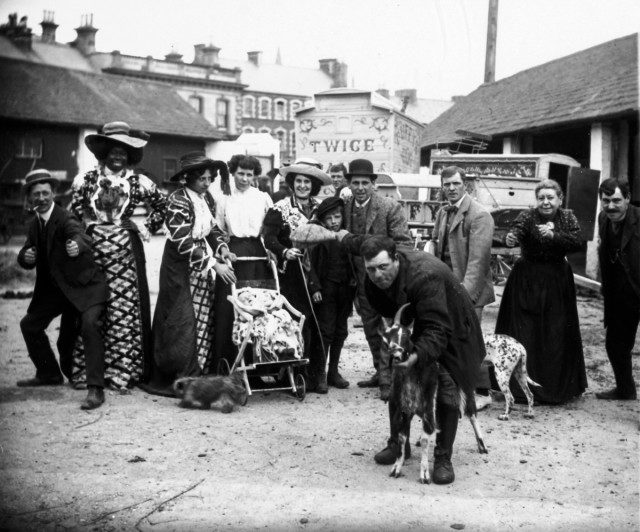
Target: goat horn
{"points": [[398, 316]]}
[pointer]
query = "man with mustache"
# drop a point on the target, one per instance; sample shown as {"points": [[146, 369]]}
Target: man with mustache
{"points": [[68, 283], [619, 254], [367, 213]]}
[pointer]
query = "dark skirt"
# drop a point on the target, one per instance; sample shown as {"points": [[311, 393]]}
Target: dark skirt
{"points": [[257, 274], [182, 324], [293, 286], [539, 310]]}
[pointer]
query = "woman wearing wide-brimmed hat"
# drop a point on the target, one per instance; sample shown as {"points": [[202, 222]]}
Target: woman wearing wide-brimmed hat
{"points": [[305, 181], [105, 199], [183, 321]]}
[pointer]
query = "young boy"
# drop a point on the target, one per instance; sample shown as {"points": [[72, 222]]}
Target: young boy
{"points": [[332, 287]]}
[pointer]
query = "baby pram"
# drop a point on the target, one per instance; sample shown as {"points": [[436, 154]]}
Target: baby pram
{"points": [[268, 332]]}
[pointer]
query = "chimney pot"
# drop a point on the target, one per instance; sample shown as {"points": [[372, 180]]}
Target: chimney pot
{"points": [[48, 27], [86, 39], [383, 92], [255, 57]]}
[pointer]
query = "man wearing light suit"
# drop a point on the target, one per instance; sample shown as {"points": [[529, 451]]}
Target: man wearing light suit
{"points": [[463, 234], [365, 214]]}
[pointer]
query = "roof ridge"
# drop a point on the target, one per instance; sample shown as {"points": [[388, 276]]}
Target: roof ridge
{"points": [[563, 58]]}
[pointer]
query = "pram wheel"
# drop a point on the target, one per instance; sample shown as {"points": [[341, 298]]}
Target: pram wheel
{"points": [[301, 387], [223, 368]]}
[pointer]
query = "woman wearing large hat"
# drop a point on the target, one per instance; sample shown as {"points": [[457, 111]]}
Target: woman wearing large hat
{"points": [[105, 199], [305, 181], [183, 320]]}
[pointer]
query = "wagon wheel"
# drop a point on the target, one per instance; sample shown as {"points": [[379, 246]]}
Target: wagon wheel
{"points": [[301, 387], [223, 367]]}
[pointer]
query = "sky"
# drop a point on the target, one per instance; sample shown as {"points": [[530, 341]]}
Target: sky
{"points": [[435, 46]]}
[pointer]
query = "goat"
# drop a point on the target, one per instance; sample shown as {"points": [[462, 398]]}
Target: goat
{"points": [[508, 357], [414, 392]]}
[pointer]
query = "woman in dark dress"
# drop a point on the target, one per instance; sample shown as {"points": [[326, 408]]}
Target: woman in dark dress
{"points": [[195, 248], [539, 302], [293, 265]]}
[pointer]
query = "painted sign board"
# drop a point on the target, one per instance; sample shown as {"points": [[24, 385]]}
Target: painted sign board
{"points": [[349, 125]]}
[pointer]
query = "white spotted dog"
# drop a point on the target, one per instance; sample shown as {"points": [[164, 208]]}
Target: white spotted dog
{"points": [[414, 392], [508, 356]]}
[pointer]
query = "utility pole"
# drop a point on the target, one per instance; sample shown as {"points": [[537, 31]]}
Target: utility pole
{"points": [[492, 33]]}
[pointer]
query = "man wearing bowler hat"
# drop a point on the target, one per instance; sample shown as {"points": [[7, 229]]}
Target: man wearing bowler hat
{"points": [[366, 213], [68, 283]]}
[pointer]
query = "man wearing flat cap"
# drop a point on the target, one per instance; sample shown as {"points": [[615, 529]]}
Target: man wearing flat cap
{"points": [[68, 283], [366, 214]]}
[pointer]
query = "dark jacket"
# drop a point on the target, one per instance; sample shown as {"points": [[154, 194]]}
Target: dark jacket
{"points": [[79, 278], [630, 256], [319, 257], [445, 326], [384, 217]]}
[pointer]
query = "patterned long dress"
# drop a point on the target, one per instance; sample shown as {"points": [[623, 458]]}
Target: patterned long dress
{"points": [[183, 320], [105, 202], [539, 309]]}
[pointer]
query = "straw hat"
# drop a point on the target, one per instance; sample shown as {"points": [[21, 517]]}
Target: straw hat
{"points": [[318, 177], [39, 175], [117, 134]]}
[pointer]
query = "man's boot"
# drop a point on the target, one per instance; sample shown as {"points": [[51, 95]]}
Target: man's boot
{"points": [[333, 377], [95, 398], [448, 423]]}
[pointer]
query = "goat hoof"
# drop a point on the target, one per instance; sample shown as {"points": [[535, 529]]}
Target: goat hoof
{"points": [[503, 417], [395, 473], [425, 480]]}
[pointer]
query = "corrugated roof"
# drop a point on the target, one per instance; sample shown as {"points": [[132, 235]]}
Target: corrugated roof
{"points": [[594, 83], [31, 91], [281, 79]]}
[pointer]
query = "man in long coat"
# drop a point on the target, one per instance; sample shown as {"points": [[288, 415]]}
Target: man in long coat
{"points": [[463, 233], [445, 329], [619, 255], [68, 283], [366, 213]]}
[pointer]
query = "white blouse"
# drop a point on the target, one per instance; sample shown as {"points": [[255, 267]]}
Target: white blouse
{"points": [[204, 221], [241, 214]]}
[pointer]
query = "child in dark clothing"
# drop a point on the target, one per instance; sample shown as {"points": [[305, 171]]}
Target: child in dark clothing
{"points": [[332, 288]]}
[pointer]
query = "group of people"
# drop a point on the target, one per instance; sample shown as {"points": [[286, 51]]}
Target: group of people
{"points": [[91, 270]]}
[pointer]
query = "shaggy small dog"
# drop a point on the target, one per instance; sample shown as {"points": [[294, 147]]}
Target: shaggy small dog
{"points": [[202, 392], [509, 357]]}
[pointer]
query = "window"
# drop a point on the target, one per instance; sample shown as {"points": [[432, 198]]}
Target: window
{"points": [[281, 135], [222, 114], [170, 168], [280, 112], [295, 105], [292, 143], [248, 129], [248, 107], [29, 148], [196, 103], [265, 108], [265, 130]]}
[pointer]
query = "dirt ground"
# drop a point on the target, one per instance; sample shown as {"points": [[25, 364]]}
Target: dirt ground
{"points": [[280, 464]]}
